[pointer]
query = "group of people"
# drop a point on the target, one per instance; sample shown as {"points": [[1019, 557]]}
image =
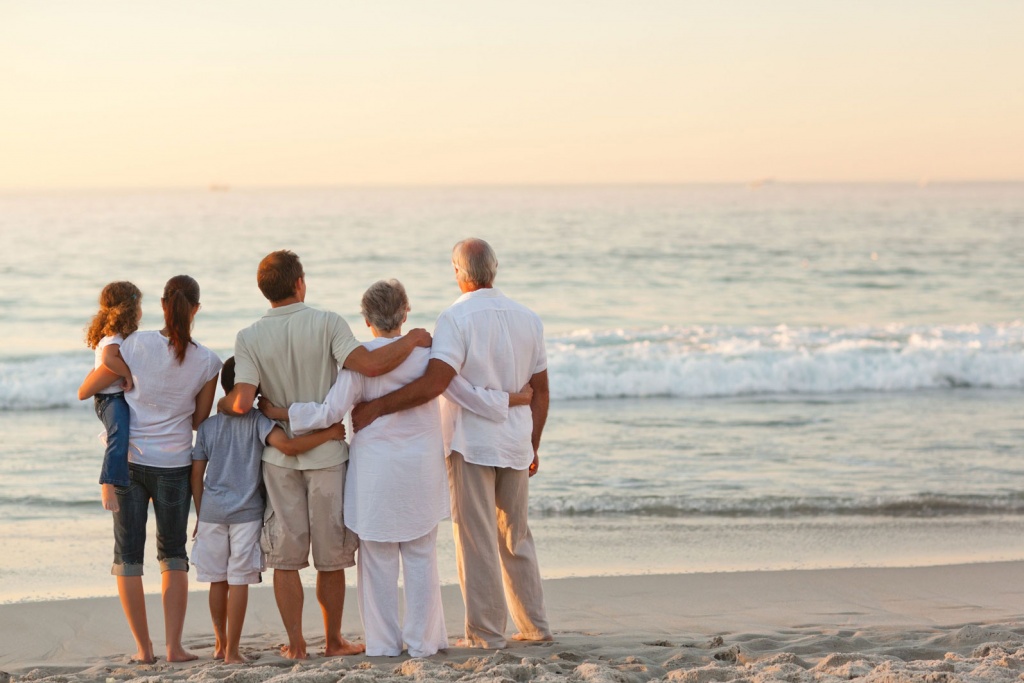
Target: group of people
{"points": [[444, 425]]}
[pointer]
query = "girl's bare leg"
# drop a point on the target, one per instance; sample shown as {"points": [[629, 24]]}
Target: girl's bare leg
{"points": [[133, 602]]}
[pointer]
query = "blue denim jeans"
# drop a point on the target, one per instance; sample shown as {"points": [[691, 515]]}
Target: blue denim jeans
{"points": [[113, 412], [169, 489]]}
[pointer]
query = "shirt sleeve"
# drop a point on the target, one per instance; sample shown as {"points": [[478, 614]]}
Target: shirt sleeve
{"points": [[491, 404], [199, 450], [246, 371], [343, 342], [542, 355], [264, 425], [305, 417], [448, 344], [215, 364]]}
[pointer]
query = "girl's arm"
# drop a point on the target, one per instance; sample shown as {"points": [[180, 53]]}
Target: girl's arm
{"points": [[97, 380], [491, 404], [204, 402], [112, 360], [300, 444]]}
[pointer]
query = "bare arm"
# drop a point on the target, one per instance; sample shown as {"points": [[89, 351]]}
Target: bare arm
{"points": [[300, 444], [383, 360], [112, 360], [97, 380], [539, 406], [239, 400], [431, 385], [198, 472], [204, 401]]}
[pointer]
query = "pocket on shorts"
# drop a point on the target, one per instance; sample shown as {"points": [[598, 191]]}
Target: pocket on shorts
{"points": [[268, 535], [258, 559]]}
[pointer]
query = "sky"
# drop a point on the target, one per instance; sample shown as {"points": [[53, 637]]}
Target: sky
{"points": [[323, 92]]}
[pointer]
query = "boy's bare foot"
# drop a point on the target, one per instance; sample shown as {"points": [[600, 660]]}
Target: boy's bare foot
{"points": [[180, 655], [344, 649], [109, 497], [235, 658], [299, 652]]}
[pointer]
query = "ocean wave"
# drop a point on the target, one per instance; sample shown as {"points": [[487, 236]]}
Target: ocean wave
{"points": [[693, 362], [921, 506]]}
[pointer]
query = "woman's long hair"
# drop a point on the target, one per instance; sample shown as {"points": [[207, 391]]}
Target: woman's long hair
{"points": [[181, 295], [118, 314]]}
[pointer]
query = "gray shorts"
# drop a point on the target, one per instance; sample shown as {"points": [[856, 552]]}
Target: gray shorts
{"points": [[306, 509]]}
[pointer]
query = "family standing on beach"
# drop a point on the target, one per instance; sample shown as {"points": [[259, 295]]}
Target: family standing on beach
{"points": [[474, 398]]}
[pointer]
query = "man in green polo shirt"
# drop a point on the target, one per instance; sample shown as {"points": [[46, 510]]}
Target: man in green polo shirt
{"points": [[292, 355]]}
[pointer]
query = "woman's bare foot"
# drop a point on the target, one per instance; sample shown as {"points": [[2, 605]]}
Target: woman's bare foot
{"points": [[235, 658], [180, 654], [344, 649], [109, 497], [218, 654], [143, 656], [297, 652]]}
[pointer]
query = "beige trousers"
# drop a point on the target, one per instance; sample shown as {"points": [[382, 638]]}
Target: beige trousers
{"points": [[494, 547]]}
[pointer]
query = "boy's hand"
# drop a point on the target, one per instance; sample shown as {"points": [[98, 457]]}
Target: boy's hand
{"points": [[195, 531], [337, 431], [270, 410]]}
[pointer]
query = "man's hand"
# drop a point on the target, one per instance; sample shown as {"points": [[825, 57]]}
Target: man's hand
{"points": [[363, 415], [535, 465], [420, 336], [270, 410], [337, 431]]}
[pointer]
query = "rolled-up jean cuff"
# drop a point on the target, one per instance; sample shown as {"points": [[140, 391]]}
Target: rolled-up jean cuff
{"points": [[174, 564], [126, 569]]}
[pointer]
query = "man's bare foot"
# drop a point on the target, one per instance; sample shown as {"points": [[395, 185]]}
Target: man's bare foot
{"points": [[109, 497], [235, 658], [344, 649], [299, 652], [546, 638], [180, 655]]}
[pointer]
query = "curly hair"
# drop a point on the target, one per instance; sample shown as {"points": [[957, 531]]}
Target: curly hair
{"points": [[120, 303]]}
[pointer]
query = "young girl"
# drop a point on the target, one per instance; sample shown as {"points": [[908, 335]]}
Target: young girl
{"points": [[119, 315]]}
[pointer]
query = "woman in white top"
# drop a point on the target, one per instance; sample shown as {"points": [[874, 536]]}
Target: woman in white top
{"points": [[175, 379], [396, 490]]}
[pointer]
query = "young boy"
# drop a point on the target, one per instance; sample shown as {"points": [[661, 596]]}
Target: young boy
{"points": [[229, 504]]}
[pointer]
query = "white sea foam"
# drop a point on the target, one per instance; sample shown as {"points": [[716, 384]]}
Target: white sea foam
{"points": [[694, 362]]}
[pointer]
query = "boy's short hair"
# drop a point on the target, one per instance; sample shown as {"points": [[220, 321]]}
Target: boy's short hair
{"points": [[278, 274], [227, 375]]}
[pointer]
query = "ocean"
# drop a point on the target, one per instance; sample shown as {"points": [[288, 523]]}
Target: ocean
{"points": [[773, 377]]}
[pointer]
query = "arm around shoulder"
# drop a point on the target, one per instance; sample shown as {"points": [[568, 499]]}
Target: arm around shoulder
{"points": [[386, 358]]}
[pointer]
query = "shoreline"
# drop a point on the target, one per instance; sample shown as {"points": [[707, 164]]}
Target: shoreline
{"points": [[671, 626]]}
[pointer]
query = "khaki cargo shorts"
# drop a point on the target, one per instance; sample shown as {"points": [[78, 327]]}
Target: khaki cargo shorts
{"points": [[305, 508]]}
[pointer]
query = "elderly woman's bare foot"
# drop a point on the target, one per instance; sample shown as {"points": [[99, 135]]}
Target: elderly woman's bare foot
{"points": [[541, 638], [344, 648]]}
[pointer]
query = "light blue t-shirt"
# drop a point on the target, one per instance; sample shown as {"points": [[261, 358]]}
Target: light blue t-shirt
{"points": [[233, 447]]}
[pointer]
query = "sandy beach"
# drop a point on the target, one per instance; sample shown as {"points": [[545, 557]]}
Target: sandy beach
{"points": [[955, 622]]}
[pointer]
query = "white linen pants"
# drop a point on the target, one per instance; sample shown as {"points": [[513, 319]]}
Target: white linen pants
{"points": [[494, 546], [424, 630]]}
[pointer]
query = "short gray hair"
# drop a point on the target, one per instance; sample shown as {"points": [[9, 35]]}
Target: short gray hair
{"points": [[385, 304], [476, 260]]}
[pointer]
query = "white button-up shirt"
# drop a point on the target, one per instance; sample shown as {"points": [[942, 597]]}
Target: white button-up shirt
{"points": [[493, 343]]}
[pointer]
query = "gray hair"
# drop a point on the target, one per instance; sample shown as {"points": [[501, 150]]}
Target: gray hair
{"points": [[476, 261], [385, 304]]}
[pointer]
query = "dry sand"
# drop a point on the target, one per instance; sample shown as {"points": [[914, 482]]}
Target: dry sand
{"points": [[934, 624]]}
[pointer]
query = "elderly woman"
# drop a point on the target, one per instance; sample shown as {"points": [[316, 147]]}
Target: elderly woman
{"points": [[397, 489]]}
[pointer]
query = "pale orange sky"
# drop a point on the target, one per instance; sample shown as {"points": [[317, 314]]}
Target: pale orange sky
{"points": [[143, 94]]}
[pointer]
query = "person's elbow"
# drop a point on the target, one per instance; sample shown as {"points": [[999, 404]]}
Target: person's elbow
{"points": [[288, 448]]}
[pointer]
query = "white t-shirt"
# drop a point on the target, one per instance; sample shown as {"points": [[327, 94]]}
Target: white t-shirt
{"points": [[116, 340], [494, 343], [396, 488], [164, 397]]}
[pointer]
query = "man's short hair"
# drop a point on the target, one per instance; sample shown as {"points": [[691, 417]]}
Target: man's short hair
{"points": [[278, 275], [385, 304], [476, 260], [227, 375]]}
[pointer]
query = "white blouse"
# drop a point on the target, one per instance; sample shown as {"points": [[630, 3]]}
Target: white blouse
{"points": [[396, 488]]}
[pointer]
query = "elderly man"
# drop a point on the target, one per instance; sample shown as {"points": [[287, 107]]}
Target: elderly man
{"points": [[292, 354], [495, 343]]}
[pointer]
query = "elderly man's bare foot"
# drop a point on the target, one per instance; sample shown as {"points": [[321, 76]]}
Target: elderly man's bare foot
{"points": [[180, 655], [344, 648], [109, 497], [296, 652], [235, 658], [544, 638]]}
